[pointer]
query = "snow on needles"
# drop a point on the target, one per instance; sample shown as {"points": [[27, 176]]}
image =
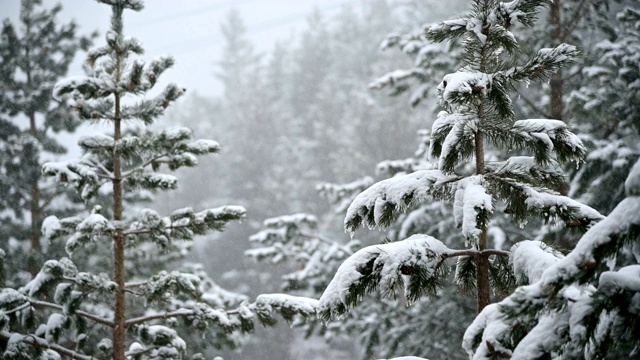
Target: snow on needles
{"points": [[418, 251], [298, 304], [378, 205], [462, 82], [530, 259]]}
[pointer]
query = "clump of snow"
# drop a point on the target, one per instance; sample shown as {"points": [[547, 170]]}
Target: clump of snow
{"points": [[490, 325], [498, 236], [303, 305], [539, 125], [397, 193], [542, 200], [529, 259], [419, 251], [632, 184], [96, 141], [176, 133], [203, 145], [626, 278], [73, 82], [462, 82], [474, 200], [50, 226], [95, 223], [541, 338], [475, 25]]}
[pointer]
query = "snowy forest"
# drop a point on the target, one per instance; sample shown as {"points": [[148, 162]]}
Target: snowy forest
{"points": [[398, 179]]}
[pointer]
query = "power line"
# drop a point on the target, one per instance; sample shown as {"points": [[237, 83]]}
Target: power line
{"points": [[260, 26], [190, 12]]}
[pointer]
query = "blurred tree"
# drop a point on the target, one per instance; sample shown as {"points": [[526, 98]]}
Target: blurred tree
{"points": [[32, 58]]}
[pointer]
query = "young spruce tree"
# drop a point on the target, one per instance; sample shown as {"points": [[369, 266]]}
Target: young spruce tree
{"points": [[61, 311], [33, 56], [478, 113]]}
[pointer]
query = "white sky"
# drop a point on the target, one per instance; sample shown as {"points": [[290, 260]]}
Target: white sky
{"points": [[188, 30]]}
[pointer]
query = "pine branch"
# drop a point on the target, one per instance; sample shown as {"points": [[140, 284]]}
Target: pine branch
{"points": [[143, 165], [416, 262], [166, 315], [41, 343], [44, 304]]}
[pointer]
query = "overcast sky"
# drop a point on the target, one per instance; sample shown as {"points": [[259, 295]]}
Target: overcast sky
{"points": [[189, 30]]}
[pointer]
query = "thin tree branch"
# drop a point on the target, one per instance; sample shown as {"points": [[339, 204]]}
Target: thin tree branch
{"points": [[41, 343], [575, 18], [144, 165], [533, 106], [167, 315], [172, 314], [96, 318]]}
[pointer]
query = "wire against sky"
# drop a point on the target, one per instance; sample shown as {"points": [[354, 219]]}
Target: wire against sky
{"points": [[190, 12], [189, 44]]}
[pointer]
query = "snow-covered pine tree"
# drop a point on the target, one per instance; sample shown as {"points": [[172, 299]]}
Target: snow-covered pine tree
{"points": [[33, 55], [478, 113], [582, 306], [65, 306]]}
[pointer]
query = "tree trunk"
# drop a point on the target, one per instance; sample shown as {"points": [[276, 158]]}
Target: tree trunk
{"points": [[118, 240], [556, 82], [482, 263], [34, 206]]}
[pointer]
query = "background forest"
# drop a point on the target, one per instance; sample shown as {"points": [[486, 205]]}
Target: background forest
{"points": [[303, 128]]}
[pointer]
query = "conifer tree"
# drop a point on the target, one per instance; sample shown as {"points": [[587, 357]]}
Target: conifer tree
{"points": [[583, 305], [477, 113], [477, 104], [580, 306], [33, 56], [66, 305]]}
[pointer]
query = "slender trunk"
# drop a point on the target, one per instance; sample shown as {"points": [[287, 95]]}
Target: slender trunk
{"points": [[36, 211], [34, 206], [118, 239], [482, 262], [556, 82]]}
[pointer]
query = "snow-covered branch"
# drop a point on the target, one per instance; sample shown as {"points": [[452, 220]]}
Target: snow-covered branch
{"points": [[45, 304], [416, 262], [41, 343], [379, 205], [165, 315]]}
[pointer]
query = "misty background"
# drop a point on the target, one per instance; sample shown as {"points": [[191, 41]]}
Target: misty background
{"points": [[283, 86]]}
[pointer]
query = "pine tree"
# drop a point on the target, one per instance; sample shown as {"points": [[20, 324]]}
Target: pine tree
{"points": [[66, 305], [32, 58], [478, 113], [476, 101], [580, 306]]}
